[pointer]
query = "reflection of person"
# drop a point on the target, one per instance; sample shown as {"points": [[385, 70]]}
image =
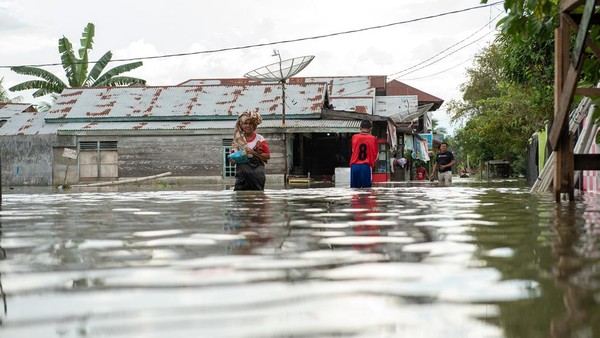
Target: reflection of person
{"points": [[250, 175], [420, 173], [363, 205], [364, 154], [248, 216], [444, 160]]}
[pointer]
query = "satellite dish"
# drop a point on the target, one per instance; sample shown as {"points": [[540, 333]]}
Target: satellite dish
{"points": [[280, 71]]}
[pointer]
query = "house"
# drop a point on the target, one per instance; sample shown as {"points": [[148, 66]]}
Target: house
{"points": [[109, 133], [25, 148]]}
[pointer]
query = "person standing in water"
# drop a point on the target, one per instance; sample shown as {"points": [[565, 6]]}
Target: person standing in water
{"points": [[364, 154], [444, 160], [250, 175]]}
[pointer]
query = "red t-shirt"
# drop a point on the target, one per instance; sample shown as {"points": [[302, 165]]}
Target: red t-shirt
{"points": [[421, 173], [364, 149]]}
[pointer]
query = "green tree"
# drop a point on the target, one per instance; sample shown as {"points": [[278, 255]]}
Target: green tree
{"points": [[4, 95], [528, 21], [436, 129], [507, 97], [76, 69]]}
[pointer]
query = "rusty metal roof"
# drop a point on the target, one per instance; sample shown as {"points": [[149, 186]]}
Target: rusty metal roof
{"points": [[219, 82], [353, 104], [340, 86], [28, 123], [402, 107], [348, 86], [396, 87], [186, 102], [208, 126], [7, 110]]}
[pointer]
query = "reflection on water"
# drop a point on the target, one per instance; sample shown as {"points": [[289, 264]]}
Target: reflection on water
{"points": [[470, 260]]}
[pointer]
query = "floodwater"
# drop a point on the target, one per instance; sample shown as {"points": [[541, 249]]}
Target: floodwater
{"points": [[476, 259]]}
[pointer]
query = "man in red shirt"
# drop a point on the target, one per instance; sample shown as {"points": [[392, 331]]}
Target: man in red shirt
{"points": [[364, 154]]}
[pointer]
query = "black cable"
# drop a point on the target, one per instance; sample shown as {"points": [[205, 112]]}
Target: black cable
{"points": [[276, 42]]}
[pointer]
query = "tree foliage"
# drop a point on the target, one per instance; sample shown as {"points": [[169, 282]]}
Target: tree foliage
{"points": [[4, 97], [507, 97], [528, 21], [509, 92], [76, 69]]}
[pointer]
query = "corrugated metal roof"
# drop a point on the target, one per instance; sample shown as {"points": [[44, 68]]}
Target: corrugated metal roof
{"points": [[193, 102], [341, 86], [205, 125], [396, 106], [354, 104], [28, 123], [396, 87], [219, 82], [9, 109], [346, 86]]}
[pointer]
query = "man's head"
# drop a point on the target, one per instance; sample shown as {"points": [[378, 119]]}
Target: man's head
{"points": [[443, 147], [366, 125]]}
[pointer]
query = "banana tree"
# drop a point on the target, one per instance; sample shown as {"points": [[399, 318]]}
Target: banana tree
{"points": [[4, 95], [76, 69]]}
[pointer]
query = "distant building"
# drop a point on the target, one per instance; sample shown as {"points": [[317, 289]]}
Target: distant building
{"points": [[110, 133]]}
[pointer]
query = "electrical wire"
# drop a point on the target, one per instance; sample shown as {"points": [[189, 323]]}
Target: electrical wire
{"points": [[273, 43]]}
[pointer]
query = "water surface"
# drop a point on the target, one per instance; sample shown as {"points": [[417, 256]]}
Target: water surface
{"points": [[475, 259]]}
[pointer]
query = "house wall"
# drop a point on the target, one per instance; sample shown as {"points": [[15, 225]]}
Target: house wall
{"points": [[26, 160], [182, 155]]}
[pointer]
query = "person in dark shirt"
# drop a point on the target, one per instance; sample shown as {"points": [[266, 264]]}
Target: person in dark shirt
{"points": [[364, 154], [444, 160]]}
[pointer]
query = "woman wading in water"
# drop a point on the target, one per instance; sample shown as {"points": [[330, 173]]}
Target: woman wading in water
{"points": [[250, 168]]}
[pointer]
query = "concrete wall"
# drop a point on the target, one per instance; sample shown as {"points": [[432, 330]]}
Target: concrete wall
{"points": [[26, 160], [38, 159], [182, 155]]}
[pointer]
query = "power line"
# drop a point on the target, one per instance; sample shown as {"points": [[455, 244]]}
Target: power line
{"points": [[454, 45], [438, 73], [276, 42], [445, 56]]}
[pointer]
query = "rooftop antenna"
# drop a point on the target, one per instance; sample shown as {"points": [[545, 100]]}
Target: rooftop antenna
{"points": [[280, 72]]}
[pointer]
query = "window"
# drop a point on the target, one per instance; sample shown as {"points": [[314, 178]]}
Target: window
{"points": [[228, 168], [98, 159]]}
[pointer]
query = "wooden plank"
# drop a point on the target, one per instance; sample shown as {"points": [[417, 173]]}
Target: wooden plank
{"points": [[582, 33], [569, 5], [587, 91], [587, 161], [564, 182], [571, 21], [566, 96]]}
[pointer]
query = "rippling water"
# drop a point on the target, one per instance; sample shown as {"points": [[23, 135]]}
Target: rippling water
{"points": [[470, 260]]}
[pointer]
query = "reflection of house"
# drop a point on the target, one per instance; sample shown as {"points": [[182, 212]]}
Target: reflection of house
{"points": [[124, 132]]}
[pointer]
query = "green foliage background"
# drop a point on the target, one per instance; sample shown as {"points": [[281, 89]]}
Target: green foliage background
{"points": [[509, 94]]}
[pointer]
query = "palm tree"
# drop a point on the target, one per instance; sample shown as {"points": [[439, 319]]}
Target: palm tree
{"points": [[4, 95], [76, 69]]}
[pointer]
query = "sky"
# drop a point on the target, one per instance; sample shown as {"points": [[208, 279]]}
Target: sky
{"points": [[427, 44]]}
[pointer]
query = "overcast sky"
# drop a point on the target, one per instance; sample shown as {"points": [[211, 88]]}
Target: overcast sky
{"points": [[430, 54]]}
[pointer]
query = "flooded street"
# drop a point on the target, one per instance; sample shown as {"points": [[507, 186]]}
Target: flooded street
{"points": [[476, 259]]}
